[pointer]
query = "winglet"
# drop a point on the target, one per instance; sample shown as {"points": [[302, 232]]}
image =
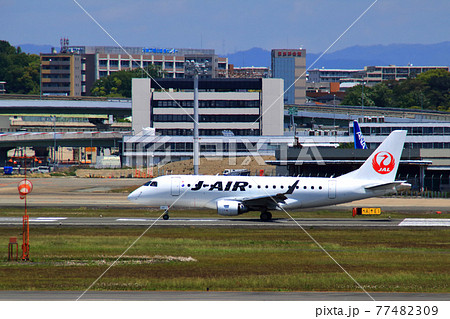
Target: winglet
{"points": [[291, 188]]}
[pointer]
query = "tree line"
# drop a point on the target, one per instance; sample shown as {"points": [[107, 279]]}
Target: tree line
{"points": [[19, 70], [118, 84], [429, 90]]}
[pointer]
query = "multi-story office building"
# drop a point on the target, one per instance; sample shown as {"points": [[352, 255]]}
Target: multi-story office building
{"points": [[376, 74], [331, 75], [239, 107], [75, 69], [61, 74], [290, 65], [235, 116], [370, 75]]}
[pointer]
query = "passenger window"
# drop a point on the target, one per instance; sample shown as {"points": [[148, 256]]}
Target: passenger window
{"points": [[312, 187], [320, 187], [304, 187]]}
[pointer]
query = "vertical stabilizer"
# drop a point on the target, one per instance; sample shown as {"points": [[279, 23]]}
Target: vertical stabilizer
{"points": [[382, 165], [358, 137]]}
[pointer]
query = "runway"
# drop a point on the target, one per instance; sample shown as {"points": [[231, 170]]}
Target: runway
{"points": [[96, 193], [215, 296], [223, 222]]}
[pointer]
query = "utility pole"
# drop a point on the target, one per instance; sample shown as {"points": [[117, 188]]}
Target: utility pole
{"points": [[54, 142], [362, 100], [196, 139], [196, 68]]}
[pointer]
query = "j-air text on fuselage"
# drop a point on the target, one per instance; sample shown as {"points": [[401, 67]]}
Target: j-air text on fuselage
{"points": [[235, 195]]}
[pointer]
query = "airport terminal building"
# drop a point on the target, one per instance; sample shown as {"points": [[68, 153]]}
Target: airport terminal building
{"points": [[230, 111]]}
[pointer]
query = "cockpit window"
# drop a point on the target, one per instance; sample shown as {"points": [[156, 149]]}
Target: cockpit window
{"points": [[151, 183]]}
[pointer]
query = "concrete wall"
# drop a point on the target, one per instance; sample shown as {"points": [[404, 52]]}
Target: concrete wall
{"points": [[5, 123], [272, 111], [140, 106]]}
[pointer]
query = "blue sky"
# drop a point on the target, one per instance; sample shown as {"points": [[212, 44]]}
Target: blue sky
{"points": [[226, 26]]}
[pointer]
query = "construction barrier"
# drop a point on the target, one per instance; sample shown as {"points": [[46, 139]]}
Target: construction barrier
{"points": [[366, 211]]}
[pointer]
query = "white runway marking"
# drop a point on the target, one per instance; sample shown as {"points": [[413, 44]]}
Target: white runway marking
{"points": [[425, 222], [132, 220], [47, 219]]}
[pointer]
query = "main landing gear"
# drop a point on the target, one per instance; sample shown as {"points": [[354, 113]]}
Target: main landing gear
{"points": [[265, 216], [166, 212]]}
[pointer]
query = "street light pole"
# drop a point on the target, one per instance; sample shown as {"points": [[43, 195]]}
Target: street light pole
{"points": [[196, 139], [362, 100], [334, 111], [54, 142]]}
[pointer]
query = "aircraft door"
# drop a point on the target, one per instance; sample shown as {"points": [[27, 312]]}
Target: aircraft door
{"points": [[175, 186], [331, 189]]}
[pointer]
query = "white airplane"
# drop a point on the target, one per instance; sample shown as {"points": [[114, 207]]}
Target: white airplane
{"points": [[235, 195]]}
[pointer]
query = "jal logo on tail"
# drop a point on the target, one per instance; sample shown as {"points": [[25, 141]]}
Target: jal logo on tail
{"points": [[383, 162]]}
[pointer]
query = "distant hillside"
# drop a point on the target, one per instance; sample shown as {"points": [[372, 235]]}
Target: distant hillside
{"points": [[358, 56], [252, 57], [397, 54], [36, 49], [351, 57]]}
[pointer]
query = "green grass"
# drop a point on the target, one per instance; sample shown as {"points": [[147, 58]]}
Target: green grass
{"points": [[201, 213], [406, 260]]}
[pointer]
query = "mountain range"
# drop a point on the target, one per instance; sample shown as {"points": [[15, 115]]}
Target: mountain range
{"points": [[36, 48], [354, 57]]}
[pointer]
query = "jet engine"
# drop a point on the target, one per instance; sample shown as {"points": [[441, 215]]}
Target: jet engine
{"points": [[230, 208]]}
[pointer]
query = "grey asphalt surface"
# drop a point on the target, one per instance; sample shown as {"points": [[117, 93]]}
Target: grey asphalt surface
{"points": [[215, 296], [212, 223], [95, 192]]}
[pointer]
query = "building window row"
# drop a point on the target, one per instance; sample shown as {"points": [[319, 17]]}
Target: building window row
{"points": [[187, 147], [56, 76], [56, 67], [58, 84], [427, 145], [55, 59], [206, 104], [205, 118], [419, 130], [126, 64], [208, 132]]}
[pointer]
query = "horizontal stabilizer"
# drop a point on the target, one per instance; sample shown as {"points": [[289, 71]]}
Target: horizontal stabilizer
{"points": [[397, 186]]}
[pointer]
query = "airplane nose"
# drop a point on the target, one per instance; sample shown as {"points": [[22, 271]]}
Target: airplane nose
{"points": [[134, 195]]}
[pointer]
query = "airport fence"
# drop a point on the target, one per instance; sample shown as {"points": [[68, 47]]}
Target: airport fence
{"points": [[423, 194]]}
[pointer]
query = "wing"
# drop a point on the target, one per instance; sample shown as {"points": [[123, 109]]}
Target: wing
{"points": [[268, 201]]}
